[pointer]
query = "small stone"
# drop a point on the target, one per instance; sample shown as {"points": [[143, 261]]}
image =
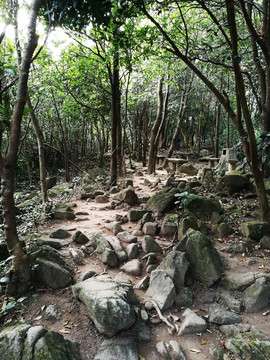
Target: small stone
{"points": [[126, 237], [80, 238], [60, 234], [150, 228], [149, 244], [109, 258], [132, 267], [53, 313], [132, 251], [192, 323]]}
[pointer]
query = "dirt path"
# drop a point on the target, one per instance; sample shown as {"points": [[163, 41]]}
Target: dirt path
{"points": [[76, 325]]}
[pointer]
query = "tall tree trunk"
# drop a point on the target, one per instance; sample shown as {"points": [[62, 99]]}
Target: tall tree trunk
{"points": [[217, 129], [41, 153], [20, 271], [153, 140]]}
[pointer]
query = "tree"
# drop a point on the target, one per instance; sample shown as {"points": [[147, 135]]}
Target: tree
{"points": [[20, 271]]}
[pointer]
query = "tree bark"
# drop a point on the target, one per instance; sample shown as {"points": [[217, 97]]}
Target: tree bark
{"points": [[153, 140], [20, 272]]}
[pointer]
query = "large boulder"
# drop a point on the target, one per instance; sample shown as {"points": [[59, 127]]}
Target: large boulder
{"points": [[205, 262], [203, 207], [188, 169], [163, 201], [36, 343], [255, 229], [109, 304], [233, 183], [118, 349]]}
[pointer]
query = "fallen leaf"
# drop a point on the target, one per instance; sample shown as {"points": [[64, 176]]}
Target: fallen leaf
{"points": [[38, 317], [195, 351], [64, 331], [203, 342]]}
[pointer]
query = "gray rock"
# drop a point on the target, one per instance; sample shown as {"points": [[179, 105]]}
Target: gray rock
{"points": [[224, 230], [126, 237], [149, 244], [242, 281], [56, 244], [143, 283], [150, 228], [110, 305], [26, 342], [52, 312], [233, 303], [175, 264], [52, 275], [163, 201], [132, 267], [184, 298], [176, 352], [118, 249], [80, 238], [188, 169], [217, 352], [101, 199], [142, 332], [162, 349], [137, 232], [77, 256], [117, 349], [135, 214], [127, 195], [220, 316], [60, 234], [114, 227], [162, 289], [186, 223], [264, 242], [205, 262], [203, 207], [255, 229], [233, 183], [101, 242], [109, 258], [132, 251], [192, 323], [87, 275], [257, 295]]}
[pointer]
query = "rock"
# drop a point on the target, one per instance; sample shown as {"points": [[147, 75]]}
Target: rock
{"points": [[101, 199], [233, 303], [64, 211], [220, 316], [162, 349], [264, 242], [205, 262], [217, 352], [77, 256], [109, 258], [149, 244], [26, 342], [162, 289], [150, 228], [127, 195], [184, 298], [60, 234], [52, 312], [132, 267], [143, 283], [100, 241], [136, 214], [163, 201], [255, 229], [80, 238], [118, 249], [192, 323], [175, 351], [242, 281], [169, 226], [142, 332], [56, 244], [186, 223], [114, 227], [203, 207], [4, 253], [175, 264], [52, 275], [233, 183], [110, 305], [132, 251], [126, 237], [188, 169], [87, 275], [224, 230], [257, 295], [117, 349]]}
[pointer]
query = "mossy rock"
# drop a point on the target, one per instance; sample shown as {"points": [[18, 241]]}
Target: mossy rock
{"points": [[163, 201], [255, 229], [233, 183], [203, 207], [30, 202], [60, 190]]}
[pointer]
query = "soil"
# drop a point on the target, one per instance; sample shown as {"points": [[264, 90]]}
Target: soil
{"points": [[75, 323]]}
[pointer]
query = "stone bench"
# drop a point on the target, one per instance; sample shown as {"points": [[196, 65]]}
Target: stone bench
{"points": [[185, 155], [212, 161], [232, 164], [175, 162], [160, 159]]}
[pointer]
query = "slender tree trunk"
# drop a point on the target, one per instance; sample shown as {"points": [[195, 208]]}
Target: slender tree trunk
{"points": [[153, 140], [20, 272], [41, 153], [217, 129]]}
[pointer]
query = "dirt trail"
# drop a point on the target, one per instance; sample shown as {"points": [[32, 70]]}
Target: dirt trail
{"points": [[76, 325]]}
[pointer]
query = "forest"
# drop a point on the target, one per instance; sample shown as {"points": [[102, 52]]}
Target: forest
{"points": [[109, 84]]}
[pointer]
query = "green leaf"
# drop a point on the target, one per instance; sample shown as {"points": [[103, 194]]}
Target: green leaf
{"points": [[8, 306], [5, 280]]}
